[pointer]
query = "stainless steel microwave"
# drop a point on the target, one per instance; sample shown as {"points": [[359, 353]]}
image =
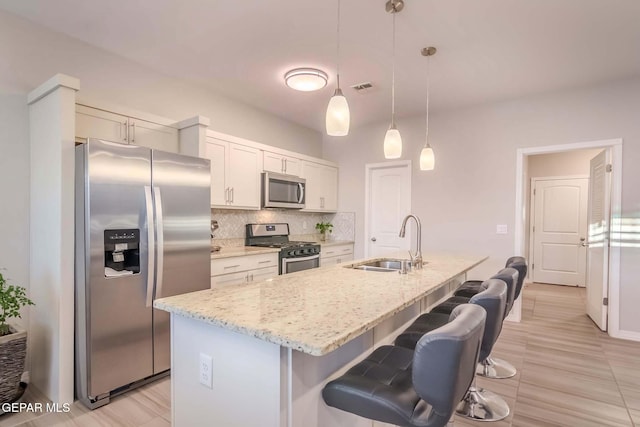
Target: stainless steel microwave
{"points": [[282, 191]]}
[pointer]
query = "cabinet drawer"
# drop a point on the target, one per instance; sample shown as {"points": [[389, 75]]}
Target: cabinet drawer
{"points": [[334, 251], [241, 277], [243, 263]]}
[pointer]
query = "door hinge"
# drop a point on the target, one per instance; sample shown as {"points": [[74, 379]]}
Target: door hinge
{"points": [[609, 167], [605, 301]]}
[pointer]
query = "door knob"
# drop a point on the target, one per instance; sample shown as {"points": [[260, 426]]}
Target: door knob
{"points": [[373, 239]]}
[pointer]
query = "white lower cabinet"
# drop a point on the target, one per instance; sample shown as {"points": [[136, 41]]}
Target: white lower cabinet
{"points": [[243, 269], [337, 254]]}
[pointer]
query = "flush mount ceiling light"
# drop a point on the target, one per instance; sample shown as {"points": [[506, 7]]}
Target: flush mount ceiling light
{"points": [[392, 139], [306, 79], [427, 158]]}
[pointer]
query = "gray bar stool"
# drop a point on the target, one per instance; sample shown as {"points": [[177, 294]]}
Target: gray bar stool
{"points": [[478, 404], [414, 388], [494, 367]]}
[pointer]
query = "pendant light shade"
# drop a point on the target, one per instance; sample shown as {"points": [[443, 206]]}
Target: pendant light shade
{"points": [[393, 140], [427, 160], [338, 118], [392, 143]]}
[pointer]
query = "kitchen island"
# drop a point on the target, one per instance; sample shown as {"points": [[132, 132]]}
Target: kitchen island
{"points": [[274, 344]]}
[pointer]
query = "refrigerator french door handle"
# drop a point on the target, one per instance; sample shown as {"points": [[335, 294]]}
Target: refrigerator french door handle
{"points": [[157, 198], [151, 244]]}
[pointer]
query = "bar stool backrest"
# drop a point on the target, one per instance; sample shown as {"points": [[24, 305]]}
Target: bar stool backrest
{"points": [[510, 277], [521, 265], [444, 361], [493, 299]]}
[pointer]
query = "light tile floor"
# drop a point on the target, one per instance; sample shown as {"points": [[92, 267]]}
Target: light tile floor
{"points": [[570, 374]]}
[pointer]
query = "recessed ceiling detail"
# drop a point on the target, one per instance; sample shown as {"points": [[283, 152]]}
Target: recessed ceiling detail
{"points": [[362, 87]]}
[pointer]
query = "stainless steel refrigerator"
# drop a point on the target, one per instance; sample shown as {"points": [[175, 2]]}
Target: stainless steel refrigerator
{"points": [[142, 232]]}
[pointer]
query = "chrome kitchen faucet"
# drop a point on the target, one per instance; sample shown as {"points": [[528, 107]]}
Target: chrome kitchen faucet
{"points": [[416, 260]]}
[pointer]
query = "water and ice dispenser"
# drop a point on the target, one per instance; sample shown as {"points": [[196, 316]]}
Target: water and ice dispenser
{"points": [[121, 252]]}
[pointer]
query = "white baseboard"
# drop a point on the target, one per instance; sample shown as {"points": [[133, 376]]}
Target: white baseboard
{"points": [[626, 335]]}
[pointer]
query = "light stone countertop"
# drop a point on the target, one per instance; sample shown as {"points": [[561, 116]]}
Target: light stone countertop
{"points": [[233, 251], [335, 242], [316, 311]]}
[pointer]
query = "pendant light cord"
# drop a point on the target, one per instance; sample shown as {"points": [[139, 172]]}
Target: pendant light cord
{"points": [[393, 73], [427, 120], [338, 48]]}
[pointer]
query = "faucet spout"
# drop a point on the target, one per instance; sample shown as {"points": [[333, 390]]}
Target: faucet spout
{"points": [[416, 260]]}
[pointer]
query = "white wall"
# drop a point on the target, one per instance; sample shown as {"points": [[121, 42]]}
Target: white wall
{"points": [[14, 191], [32, 54], [472, 188], [574, 162]]}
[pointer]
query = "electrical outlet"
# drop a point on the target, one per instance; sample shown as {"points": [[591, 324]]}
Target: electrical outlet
{"points": [[501, 229], [205, 373]]}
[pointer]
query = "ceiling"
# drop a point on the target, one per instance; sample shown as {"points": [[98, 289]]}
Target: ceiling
{"points": [[488, 50]]}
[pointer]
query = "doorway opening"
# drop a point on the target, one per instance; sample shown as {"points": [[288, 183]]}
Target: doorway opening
{"points": [[525, 169]]}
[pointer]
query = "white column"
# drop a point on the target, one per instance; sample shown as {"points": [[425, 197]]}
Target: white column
{"points": [[51, 325], [193, 135]]}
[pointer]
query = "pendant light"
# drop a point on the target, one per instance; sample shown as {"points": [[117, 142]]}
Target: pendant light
{"points": [[338, 116], [392, 139], [427, 159]]}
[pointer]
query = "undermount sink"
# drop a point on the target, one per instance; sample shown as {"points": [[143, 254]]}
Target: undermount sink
{"points": [[382, 265]]}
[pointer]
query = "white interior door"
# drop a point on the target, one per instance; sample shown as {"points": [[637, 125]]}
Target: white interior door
{"points": [[388, 202], [560, 229], [598, 238]]}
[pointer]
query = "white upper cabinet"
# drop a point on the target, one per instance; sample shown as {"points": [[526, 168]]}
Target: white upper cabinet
{"points": [[235, 174], [93, 123], [321, 187], [216, 152], [153, 135], [273, 162], [96, 123]]}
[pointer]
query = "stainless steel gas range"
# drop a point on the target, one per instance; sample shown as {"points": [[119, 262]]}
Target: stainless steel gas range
{"points": [[293, 256]]}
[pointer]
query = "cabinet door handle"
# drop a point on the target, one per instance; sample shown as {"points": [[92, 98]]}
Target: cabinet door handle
{"points": [[231, 266], [133, 134], [265, 262], [124, 126], [285, 165], [226, 195], [282, 169], [252, 277], [232, 195], [346, 250]]}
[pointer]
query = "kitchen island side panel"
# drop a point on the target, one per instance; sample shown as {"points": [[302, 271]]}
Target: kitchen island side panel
{"points": [[256, 383], [246, 377]]}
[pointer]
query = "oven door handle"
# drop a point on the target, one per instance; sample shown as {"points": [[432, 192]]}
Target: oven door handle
{"points": [[285, 261]]}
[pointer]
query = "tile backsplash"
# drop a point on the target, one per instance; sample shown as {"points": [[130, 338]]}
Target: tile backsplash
{"points": [[232, 223]]}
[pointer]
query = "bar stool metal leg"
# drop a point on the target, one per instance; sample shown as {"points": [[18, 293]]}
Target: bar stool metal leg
{"points": [[495, 368], [482, 405]]}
